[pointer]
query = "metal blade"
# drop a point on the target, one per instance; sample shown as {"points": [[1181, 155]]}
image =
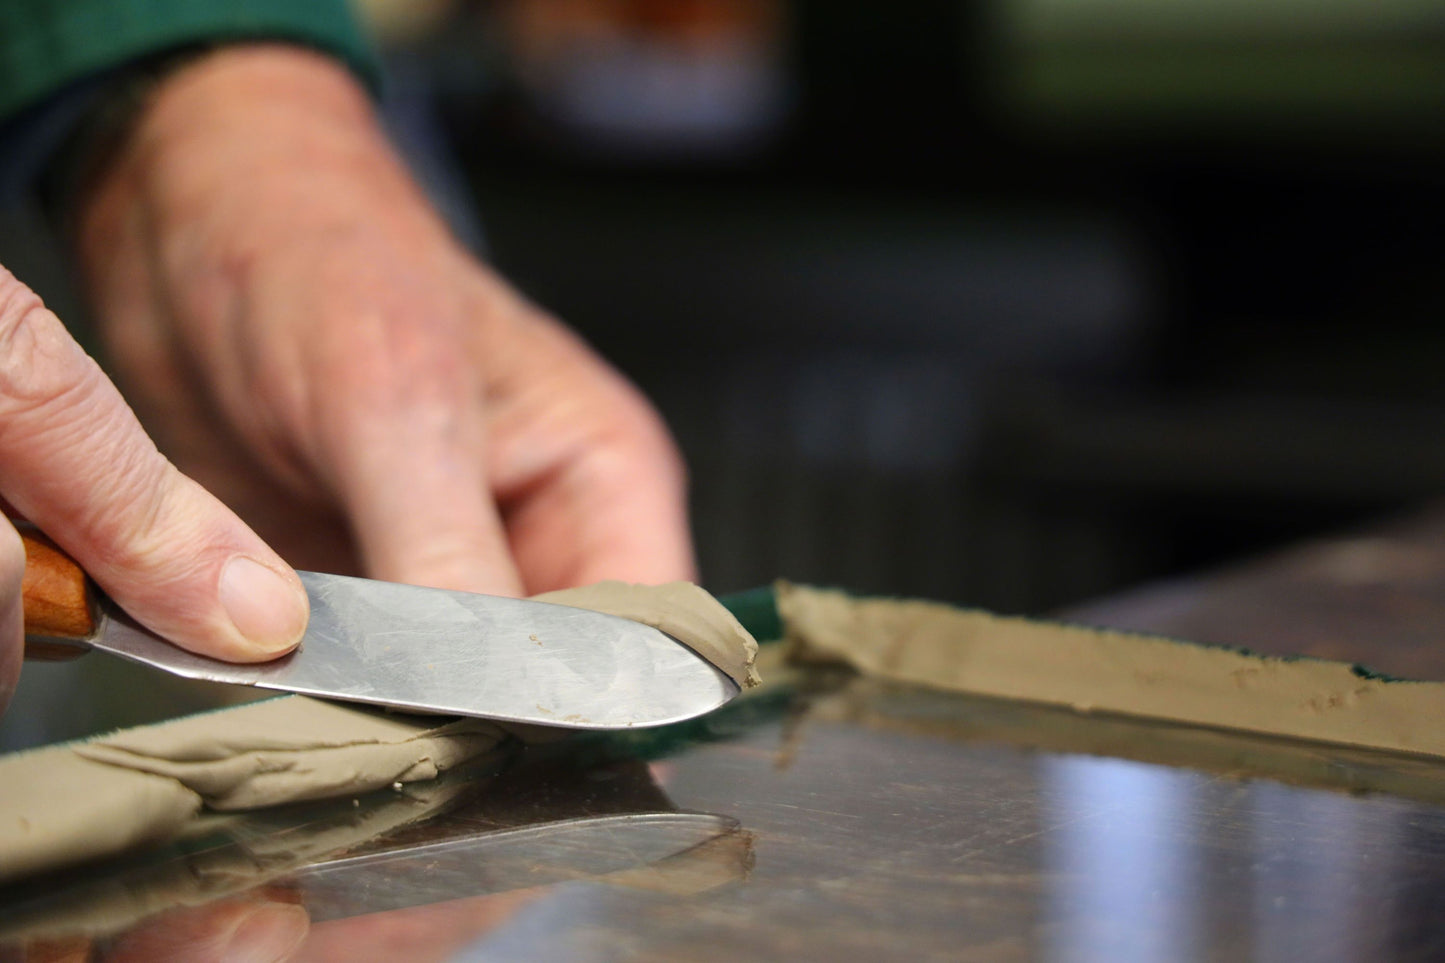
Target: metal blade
{"points": [[456, 653]]}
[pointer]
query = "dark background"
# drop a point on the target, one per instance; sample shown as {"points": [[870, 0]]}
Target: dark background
{"points": [[1008, 303]]}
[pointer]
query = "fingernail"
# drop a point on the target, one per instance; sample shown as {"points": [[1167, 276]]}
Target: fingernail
{"points": [[269, 935], [268, 610]]}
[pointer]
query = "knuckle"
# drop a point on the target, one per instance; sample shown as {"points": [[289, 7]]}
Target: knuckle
{"points": [[405, 362], [15, 298], [644, 433], [639, 454], [39, 363], [423, 348]]}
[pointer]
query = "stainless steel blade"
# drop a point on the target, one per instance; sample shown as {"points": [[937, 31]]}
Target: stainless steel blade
{"points": [[456, 653]]}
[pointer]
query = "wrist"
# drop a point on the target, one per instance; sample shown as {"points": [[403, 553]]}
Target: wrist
{"points": [[255, 81], [233, 103], [112, 106], [247, 136], [238, 96]]}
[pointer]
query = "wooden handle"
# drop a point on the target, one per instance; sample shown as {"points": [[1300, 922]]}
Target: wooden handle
{"points": [[59, 601]]}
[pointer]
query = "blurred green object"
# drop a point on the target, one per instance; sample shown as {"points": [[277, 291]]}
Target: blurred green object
{"points": [[757, 610], [1331, 64], [46, 46]]}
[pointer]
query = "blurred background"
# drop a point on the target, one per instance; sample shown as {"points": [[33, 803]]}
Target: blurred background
{"points": [[1002, 302]]}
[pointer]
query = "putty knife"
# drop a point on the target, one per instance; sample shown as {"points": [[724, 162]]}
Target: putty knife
{"points": [[415, 649]]}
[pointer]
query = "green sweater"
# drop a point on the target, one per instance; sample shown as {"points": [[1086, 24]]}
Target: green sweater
{"points": [[48, 45]]}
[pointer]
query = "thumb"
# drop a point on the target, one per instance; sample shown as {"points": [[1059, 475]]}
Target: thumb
{"points": [[75, 461]]}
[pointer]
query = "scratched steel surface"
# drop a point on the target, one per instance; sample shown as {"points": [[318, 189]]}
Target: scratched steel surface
{"points": [[869, 822], [873, 842], [881, 822]]}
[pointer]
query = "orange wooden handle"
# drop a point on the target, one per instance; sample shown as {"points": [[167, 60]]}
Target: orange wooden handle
{"points": [[58, 598]]}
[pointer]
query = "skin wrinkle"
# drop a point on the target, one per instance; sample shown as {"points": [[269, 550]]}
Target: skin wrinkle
{"points": [[65, 431], [38, 369], [37, 420], [141, 519], [66, 424], [61, 418]]}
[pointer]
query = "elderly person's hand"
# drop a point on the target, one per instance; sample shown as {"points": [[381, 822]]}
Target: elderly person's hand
{"points": [[302, 335], [74, 460]]}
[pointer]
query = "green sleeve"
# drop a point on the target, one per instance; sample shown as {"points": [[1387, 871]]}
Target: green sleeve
{"points": [[46, 45]]}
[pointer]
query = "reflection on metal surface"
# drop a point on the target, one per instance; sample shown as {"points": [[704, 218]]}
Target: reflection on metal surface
{"points": [[226, 855], [931, 842], [1114, 858], [1236, 755], [1343, 863], [894, 823], [503, 860], [550, 819]]}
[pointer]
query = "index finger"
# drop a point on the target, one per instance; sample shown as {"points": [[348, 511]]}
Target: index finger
{"points": [[403, 438]]}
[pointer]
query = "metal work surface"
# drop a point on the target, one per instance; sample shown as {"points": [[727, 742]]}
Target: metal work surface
{"points": [[829, 818]]}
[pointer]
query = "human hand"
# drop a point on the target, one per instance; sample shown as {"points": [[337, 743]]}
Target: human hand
{"points": [[271, 924], [74, 461], [263, 926], [300, 332]]}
